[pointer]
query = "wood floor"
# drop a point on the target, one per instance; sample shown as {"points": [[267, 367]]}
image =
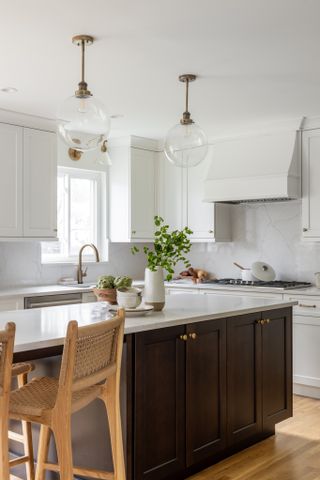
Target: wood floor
{"points": [[292, 454]]}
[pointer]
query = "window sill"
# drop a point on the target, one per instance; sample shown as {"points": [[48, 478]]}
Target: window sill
{"points": [[72, 262]]}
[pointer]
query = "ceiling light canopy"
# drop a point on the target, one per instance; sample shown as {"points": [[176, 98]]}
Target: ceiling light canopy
{"points": [[186, 144], [83, 122]]}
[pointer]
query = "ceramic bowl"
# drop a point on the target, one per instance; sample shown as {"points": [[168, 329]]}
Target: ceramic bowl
{"points": [[129, 297]]}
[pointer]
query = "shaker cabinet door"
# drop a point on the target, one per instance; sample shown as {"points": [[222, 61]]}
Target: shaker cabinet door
{"points": [[205, 390], [40, 184], [244, 382], [159, 432], [11, 216], [276, 367]]}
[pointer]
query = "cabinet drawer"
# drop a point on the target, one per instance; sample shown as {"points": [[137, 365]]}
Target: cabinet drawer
{"points": [[306, 305]]}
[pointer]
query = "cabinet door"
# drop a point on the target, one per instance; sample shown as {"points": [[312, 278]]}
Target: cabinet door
{"points": [[200, 215], [159, 430], [310, 184], [143, 194], [205, 390], [244, 382], [276, 367], [11, 181], [11, 303], [171, 195], [40, 184]]}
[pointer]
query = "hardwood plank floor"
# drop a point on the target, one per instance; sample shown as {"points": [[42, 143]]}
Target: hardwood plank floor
{"points": [[292, 454]]}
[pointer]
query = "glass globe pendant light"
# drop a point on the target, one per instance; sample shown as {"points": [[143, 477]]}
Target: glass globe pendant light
{"points": [[186, 144], [83, 122]]}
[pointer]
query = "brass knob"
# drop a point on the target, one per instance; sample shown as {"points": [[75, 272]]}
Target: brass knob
{"points": [[267, 320], [304, 229], [133, 232], [262, 322], [184, 337], [258, 322], [193, 336], [210, 231]]}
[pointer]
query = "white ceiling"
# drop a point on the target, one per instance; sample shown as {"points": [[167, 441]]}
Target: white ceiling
{"points": [[257, 60]]}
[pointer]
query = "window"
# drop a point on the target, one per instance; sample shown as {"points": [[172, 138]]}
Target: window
{"points": [[80, 211]]}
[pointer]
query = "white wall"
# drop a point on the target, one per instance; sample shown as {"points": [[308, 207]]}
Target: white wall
{"points": [[269, 232]]}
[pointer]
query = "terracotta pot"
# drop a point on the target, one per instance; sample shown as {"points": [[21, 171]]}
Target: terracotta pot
{"points": [[106, 295]]}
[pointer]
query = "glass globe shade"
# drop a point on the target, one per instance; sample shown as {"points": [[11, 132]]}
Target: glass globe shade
{"points": [[186, 145], [83, 123]]}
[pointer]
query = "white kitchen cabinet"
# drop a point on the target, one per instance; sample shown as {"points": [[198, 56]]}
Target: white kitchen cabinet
{"points": [[11, 303], [40, 184], [310, 185], [180, 203], [28, 194], [11, 179], [132, 192]]}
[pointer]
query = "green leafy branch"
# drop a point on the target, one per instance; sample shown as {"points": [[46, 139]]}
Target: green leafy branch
{"points": [[169, 248]]}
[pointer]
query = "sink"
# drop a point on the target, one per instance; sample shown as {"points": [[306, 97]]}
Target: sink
{"points": [[83, 285]]}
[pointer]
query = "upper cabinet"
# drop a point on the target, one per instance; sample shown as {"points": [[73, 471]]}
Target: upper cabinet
{"points": [[11, 181], [181, 193], [310, 184], [132, 189], [28, 193], [40, 184]]}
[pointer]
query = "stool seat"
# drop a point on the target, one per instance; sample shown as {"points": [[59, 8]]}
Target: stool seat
{"points": [[38, 397]]}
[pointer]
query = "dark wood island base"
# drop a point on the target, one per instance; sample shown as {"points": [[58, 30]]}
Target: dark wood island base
{"points": [[200, 392]]}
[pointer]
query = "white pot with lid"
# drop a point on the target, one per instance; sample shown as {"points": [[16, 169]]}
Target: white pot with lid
{"points": [[260, 271]]}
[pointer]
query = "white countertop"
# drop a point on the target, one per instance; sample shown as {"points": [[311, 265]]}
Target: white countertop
{"points": [[46, 327]]}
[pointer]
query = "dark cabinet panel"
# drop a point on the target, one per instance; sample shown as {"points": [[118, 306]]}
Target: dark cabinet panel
{"points": [[276, 366], [205, 390], [159, 432], [243, 377]]}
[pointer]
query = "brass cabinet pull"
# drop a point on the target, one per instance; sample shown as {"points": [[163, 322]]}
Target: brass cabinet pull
{"points": [[184, 337], [210, 231], [258, 322], [267, 320], [304, 229], [304, 305], [262, 322], [133, 232], [193, 336]]}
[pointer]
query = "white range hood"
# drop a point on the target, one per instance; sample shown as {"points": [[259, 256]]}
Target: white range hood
{"points": [[264, 167]]}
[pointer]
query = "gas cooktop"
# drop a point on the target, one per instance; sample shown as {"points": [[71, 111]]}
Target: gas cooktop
{"points": [[282, 284]]}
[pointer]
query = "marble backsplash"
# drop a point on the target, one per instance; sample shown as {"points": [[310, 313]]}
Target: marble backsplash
{"points": [[268, 232]]}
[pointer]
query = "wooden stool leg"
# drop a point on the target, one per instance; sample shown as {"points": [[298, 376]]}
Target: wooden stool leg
{"points": [[111, 400], [27, 436], [44, 441], [62, 436], [4, 449]]}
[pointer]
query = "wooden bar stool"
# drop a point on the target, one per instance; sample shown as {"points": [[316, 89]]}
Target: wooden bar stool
{"points": [[7, 371], [21, 371], [90, 369]]}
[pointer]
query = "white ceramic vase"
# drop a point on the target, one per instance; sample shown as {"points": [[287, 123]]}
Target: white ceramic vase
{"points": [[154, 292]]}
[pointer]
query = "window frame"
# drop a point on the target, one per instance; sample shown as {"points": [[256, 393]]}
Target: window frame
{"points": [[100, 207]]}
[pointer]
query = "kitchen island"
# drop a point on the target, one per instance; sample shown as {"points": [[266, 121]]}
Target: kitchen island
{"points": [[206, 377]]}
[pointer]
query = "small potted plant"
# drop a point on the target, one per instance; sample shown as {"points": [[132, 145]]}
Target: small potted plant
{"points": [[169, 248], [106, 289]]}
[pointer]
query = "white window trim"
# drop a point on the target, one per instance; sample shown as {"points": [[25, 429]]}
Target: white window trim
{"points": [[101, 227]]}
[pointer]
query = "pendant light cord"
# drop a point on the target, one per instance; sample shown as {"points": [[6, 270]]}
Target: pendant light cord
{"points": [[187, 96], [82, 60]]}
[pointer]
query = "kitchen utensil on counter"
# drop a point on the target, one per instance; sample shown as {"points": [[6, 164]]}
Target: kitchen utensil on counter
{"points": [[262, 271], [317, 275], [246, 273], [240, 266], [129, 297]]}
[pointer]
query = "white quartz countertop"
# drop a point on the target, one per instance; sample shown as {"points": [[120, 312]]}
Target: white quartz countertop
{"points": [[46, 327]]}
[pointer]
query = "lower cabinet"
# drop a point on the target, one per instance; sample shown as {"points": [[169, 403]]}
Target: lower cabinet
{"points": [[204, 390]]}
